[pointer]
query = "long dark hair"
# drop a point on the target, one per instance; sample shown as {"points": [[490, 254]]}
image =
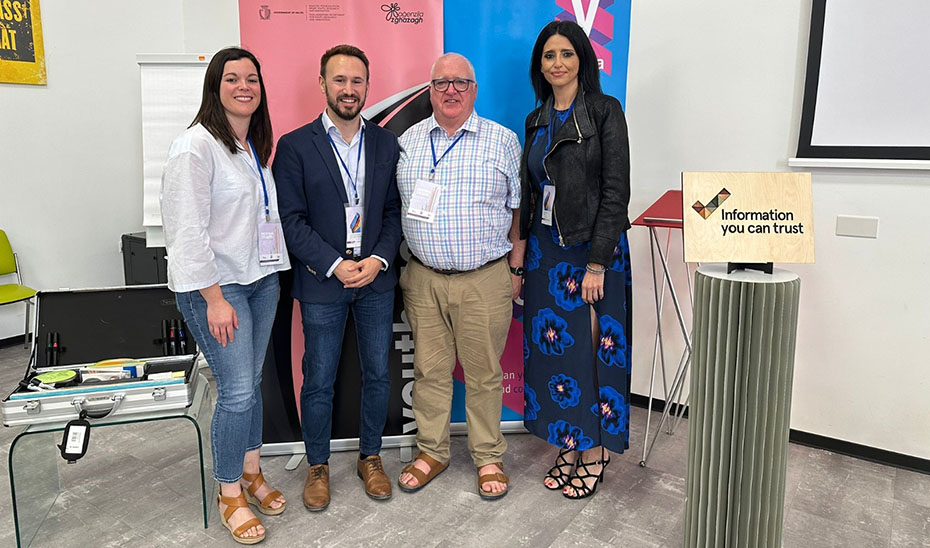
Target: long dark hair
{"points": [[213, 116], [589, 75]]}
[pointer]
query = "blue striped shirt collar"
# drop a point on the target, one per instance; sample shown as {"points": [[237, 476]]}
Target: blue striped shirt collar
{"points": [[472, 123]]}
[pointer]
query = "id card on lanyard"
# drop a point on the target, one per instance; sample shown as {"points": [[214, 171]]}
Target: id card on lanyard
{"points": [[355, 214], [269, 232], [548, 204], [424, 201], [548, 197]]}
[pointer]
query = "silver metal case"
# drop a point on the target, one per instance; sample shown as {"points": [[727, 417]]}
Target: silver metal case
{"points": [[95, 325]]}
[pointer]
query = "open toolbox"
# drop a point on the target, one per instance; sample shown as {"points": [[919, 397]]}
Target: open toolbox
{"points": [[109, 352]]}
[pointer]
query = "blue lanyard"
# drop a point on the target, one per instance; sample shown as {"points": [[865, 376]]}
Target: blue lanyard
{"points": [[552, 115], [358, 161], [262, 177], [432, 147]]}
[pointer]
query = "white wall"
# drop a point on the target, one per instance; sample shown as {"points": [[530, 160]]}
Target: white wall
{"points": [[72, 169], [717, 86], [713, 85]]}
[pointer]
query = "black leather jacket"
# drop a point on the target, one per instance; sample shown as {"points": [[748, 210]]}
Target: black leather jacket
{"points": [[589, 164]]}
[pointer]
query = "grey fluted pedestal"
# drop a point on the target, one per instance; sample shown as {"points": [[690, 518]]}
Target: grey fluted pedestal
{"points": [[745, 330]]}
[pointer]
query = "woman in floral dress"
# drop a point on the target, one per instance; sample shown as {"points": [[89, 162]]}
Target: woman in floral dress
{"points": [[577, 285]]}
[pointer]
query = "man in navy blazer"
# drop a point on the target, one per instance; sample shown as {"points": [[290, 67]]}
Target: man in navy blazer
{"points": [[340, 211]]}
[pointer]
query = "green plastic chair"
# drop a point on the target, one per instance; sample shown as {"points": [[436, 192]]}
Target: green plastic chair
{"points": [[14, 293]]}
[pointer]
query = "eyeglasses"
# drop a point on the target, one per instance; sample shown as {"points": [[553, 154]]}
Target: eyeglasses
{"points": [[460, 84]]}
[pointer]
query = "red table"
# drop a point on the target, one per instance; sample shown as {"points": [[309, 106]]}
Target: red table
{"points": [[666, 212], [663, 213]]}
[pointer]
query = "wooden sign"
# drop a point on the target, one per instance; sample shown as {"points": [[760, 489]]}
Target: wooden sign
{"points": [[747, 217]]}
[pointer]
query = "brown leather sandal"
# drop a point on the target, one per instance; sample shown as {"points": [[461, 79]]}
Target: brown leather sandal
{"points": [[232, 505], [435, 468], [496, 476], [264, 506]]}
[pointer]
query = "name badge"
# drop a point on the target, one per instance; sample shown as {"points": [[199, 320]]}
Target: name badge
{"points": [[269, 243], [354, 218], [424, 203], [548, 204]]}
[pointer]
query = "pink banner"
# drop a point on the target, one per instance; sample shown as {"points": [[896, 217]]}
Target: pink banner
{"points": [[401, 40]]}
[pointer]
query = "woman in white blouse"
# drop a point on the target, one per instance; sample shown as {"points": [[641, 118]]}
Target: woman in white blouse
{"points": [[225, 248]]}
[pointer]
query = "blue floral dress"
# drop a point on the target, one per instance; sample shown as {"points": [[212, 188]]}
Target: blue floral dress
{"points": [[575, 396]]}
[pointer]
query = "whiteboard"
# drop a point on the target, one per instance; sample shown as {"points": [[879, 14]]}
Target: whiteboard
{"points": [[172, 86], [866, 94]]}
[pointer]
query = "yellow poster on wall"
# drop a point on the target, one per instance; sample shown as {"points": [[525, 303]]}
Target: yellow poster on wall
{"points": [[22, 55]]}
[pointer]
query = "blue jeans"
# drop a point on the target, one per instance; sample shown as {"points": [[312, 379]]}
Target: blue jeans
{"points": [[324, 328], [237, 368]]}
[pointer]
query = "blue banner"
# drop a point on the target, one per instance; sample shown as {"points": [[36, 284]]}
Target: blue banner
{"points": [[498, 38]]}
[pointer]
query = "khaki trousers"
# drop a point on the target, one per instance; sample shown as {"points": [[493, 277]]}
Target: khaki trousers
{"points": [[465, 315]]}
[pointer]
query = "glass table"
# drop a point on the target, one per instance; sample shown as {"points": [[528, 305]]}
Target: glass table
{"points": [[34, 459]]}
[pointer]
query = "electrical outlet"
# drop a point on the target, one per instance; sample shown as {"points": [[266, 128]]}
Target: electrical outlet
{"points": [[856, 226]]}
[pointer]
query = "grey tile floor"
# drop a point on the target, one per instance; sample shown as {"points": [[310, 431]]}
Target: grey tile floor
{"points": [[139, 487]]}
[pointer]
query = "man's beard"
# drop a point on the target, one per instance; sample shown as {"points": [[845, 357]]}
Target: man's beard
{"points": [[338, 108]]}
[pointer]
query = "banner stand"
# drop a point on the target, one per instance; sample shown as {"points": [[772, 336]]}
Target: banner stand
{"points": [[406, 443], [418, 33]]}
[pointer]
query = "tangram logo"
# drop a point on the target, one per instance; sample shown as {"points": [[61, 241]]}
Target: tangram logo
{"points": [[597, 23], [264, 13], [708, 210]]}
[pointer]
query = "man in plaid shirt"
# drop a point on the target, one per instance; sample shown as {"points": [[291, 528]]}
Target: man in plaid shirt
{"points": [[459, 182]]}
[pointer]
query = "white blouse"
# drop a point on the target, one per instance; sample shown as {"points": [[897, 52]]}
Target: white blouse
{"points": [[211, 204]]}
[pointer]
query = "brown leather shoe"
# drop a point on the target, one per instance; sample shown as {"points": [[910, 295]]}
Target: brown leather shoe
{"points": [[316, 490], [371, 472]]}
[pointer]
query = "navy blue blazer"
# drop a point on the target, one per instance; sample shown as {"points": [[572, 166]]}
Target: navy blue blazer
{"points": [[312, 198]]}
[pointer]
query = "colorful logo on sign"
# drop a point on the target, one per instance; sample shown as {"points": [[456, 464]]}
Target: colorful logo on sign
{"points": [[706, 211], [597, 23]]}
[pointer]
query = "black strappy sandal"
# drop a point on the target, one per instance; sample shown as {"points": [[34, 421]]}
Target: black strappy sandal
{"points": [[581, 473], [557, 472]]}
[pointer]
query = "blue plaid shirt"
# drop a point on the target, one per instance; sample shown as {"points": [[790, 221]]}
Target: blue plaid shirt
{"points": [[480, 180]]}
